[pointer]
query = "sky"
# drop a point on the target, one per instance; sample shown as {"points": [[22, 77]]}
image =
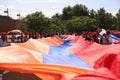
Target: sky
{"points": [[50, 7]]}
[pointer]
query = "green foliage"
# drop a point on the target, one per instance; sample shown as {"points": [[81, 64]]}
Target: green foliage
{"points": [[37, 22], [73, 19], [92, 14], [67, 13], [79, 24], [105, 20], [118, 20], [77, 10], [101, 18], [80, 10]]}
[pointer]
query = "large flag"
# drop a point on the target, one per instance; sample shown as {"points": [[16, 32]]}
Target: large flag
{"points": [[55, 58]]}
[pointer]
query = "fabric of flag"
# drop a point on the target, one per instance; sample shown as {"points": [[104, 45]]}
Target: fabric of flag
{"points": [[65, 57]]}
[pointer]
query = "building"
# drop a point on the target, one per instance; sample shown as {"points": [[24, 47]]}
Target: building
{"points": [[8, 24]]}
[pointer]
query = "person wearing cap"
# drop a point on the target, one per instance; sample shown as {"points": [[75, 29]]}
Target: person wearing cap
{"points": [[108, 37], [13, 37], [95, 37], [37, 35], [21, 37], [3, 40], [103, 39]]}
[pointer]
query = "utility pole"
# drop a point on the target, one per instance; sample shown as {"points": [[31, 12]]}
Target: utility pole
{"points": [[7, 11], [18, 15]]}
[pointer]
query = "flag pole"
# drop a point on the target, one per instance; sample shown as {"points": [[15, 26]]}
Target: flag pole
{"points": [[7, 12]]}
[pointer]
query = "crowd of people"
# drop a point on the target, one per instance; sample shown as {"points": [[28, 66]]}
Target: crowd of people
{"points": [[105, 38], [18, 37], [6, 38]]}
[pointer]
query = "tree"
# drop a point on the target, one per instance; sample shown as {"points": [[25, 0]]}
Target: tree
{"points": [[79, 24], [92, 14], [55, 23], [37, 22], [80, 10], [73, 19], [101, 18], [118, 19], [69, 26], [67, 13], [56, 19], [108, 21]]}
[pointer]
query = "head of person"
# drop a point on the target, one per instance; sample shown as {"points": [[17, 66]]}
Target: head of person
{"points": [[108, 32]]}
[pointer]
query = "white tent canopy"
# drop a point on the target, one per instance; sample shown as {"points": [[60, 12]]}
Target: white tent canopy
{"points": [[15, 31]]}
